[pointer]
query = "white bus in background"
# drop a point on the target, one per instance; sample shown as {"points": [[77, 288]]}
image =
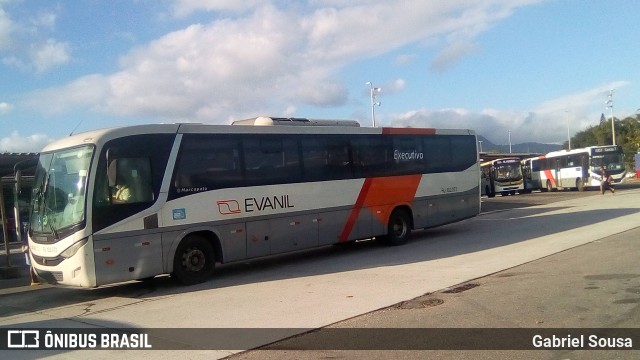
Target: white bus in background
{"points": [[501, 176], [531, 174], [580, 168], [201, 194]]}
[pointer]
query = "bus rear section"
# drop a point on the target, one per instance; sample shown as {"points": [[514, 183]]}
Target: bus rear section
{"points": [[531, 174]]}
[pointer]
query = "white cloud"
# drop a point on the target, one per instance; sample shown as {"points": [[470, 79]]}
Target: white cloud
{"points": [[451, 55], [395, 86], [6, 28], [26, 45], [5, 108], [263, 59], [45, 19], [547, 123], [88, 91], [18, 143], [49, 55], [182, 8]]}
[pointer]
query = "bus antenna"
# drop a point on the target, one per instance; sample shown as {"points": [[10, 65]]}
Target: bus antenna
{"points": [[74, 129]]}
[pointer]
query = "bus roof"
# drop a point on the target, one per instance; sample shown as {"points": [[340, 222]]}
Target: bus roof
{"points": [[349, 127], [271, 121], [511, 159], [581, 150]]}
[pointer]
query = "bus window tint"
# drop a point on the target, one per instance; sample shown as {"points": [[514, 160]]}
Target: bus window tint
{"points": [[271, 160], [437, 153], [326, 158], [463, 151], [408, 155], [133, 175], [207, 163], [371, 156]]}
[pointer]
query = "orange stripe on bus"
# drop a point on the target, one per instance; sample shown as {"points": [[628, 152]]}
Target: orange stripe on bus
{"points": [[550, 177], [380, 196], [353, 216]]}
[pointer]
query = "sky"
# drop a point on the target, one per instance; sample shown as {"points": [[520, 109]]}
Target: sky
{"points": [[512, 70]]}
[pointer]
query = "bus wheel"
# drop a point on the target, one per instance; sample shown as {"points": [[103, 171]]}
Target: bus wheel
{"points": [[399, 228], [194, 261], [579, 185]]}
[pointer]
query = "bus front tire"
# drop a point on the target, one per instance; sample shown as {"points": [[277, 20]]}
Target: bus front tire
{"points": [[399, 228], [194, 261], [579, 185]]}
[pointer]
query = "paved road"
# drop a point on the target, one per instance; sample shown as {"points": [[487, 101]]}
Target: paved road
{"points": [[594, 286], [326, 286]]}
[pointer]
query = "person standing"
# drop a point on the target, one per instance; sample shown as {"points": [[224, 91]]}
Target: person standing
{"points": [[605, 184]]}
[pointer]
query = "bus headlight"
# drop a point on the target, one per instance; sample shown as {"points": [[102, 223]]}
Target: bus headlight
{"points": [[73, 249]]}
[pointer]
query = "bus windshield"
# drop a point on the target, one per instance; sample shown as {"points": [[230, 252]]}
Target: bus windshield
{"points": [[58, 197], [508, 172], [610, 162]]}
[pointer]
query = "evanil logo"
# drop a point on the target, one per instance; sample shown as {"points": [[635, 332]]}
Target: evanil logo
{"points": [[253, 204]]}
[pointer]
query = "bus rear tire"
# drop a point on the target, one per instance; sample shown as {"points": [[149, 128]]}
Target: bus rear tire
{"points": [[399, 228], [194, 261], [579, 185]]}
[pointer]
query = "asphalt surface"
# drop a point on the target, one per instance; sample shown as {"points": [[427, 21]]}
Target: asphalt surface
{"points": [[594, 287]]}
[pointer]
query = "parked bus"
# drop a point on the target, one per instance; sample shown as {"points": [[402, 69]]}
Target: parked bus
{"points": [[580, 168], [201, 194], [531, 174], [501, 176]]}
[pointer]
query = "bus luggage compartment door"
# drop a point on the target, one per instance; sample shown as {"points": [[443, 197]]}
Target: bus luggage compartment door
{"points": [[127, 258]]}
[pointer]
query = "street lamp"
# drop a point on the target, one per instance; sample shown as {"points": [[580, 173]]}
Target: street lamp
{"points": [[568, 132], [509, 141], [609, 104], [373, 91]]}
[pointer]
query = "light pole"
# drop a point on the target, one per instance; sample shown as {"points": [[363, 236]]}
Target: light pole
{"points": [[509, 141], [568, 132], [480, 143], [609, 104], [373, 91]]}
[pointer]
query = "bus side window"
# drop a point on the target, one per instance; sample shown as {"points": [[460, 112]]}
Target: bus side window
{"points": [[437, 153], [372, 156], [208, 162], [326, 158], [130, 180], [271, 160]]}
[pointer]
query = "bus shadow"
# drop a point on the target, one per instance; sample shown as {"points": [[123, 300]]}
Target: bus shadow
{"points": [[473, 235], [469, 236]]}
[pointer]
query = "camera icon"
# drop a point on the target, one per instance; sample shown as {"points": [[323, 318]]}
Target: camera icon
{"points": [[23, 339]]}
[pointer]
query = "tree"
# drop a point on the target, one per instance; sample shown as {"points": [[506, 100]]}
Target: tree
{"points": [[627, 136]]}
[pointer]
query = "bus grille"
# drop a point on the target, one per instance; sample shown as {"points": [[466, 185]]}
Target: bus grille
{"points": [[51, 277], [47, 261]]}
